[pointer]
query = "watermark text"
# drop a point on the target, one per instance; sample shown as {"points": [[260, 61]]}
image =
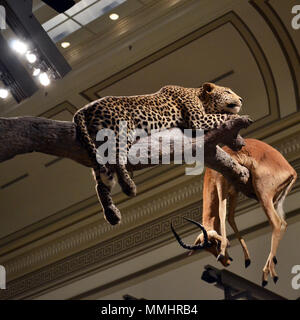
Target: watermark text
{"points": [[145, 147], [2, 18], [296, 279], [2, 278], [296, 19]]}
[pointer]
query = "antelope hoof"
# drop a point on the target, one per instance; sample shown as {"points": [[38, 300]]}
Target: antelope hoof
{"points": [[230, 258], [275, 260], [220, 257], [247, 263], [275, 279], [264, 283]]}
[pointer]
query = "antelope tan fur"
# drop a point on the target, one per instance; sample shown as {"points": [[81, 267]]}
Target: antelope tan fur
{"points": [[272, 179]]}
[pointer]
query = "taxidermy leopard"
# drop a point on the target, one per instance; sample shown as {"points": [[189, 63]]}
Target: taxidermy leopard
{"points": [[172, 106]]}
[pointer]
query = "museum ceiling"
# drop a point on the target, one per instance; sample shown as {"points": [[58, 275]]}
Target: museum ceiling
{"points": [[51, 224]]}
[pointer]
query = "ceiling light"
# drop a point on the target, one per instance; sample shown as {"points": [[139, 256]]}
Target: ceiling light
{"points": [[31, 57], [19, 46], [36, 72], [3, 93], [44, 79], [65, 44], [31, 37], [114, 16]]}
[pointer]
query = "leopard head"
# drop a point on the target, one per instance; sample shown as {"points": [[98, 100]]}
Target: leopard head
{"points": [[217, 99]]}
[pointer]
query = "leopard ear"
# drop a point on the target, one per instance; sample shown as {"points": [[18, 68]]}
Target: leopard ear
{"points": [[208, 86]]}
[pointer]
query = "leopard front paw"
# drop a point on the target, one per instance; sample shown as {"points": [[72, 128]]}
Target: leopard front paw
{"points": [[112, 214], [237, 144], [245, 121], [128, 187]]}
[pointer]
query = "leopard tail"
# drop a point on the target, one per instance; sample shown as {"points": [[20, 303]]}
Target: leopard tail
{"points": [[99, 169], [102, 175]]}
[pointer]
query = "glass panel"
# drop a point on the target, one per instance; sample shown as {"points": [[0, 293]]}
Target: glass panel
{"points": [[79, 7], [63, 30], [54, 21], [97, 10]]}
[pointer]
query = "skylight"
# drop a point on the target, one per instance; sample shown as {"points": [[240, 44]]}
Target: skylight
{"points": [[97, 10], [81, 5], [50, 24], [84, 12], [60, 32]]}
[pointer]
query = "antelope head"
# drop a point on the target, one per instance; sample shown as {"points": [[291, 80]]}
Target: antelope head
{"points": [[207, 240]]}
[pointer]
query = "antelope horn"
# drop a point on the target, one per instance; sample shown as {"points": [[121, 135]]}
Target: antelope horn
{"points": [[205, 244], [201, 227]]}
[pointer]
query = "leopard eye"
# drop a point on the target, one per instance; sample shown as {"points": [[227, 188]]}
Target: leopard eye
{"points": [[228, 91]]}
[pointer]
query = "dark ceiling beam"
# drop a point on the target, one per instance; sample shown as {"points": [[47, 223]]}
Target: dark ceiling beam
{"points": [[14, 75], [25, 25], [60, 5]]}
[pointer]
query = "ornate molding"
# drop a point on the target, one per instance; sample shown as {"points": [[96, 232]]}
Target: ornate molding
{"points": [[283, 37], [66, 105], [119, 248], [94, 232], [290, 148], [122, 246], [42, 267]]}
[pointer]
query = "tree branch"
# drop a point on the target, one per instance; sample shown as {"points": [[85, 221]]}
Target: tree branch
{"points": [[31, 134]]}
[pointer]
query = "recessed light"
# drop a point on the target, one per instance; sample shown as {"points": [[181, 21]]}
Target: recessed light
{"points": [[114, 16], [3, 93], [65, 44]]}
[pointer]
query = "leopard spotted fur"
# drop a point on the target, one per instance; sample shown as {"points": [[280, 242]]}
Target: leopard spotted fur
{"points": [[172, 106]]}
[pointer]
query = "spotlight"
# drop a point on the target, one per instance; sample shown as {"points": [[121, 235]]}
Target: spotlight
{"points": [[44, 79], [3, 93], [19, 46], [36, 72], [13, 73], [114, 16], [31, 57], [65, 44], [30, 36]]}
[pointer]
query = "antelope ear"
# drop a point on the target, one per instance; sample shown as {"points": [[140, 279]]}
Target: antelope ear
{"points": [[199, 239], [208, 86]]}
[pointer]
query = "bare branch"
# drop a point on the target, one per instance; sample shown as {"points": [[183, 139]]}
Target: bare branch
{"points": [[31, 134]]}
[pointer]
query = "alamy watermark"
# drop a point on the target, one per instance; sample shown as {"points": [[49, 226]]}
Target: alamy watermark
{"points": [[2, 278], [296, 279], [2, 18], [153, 147], [296, 19]]}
